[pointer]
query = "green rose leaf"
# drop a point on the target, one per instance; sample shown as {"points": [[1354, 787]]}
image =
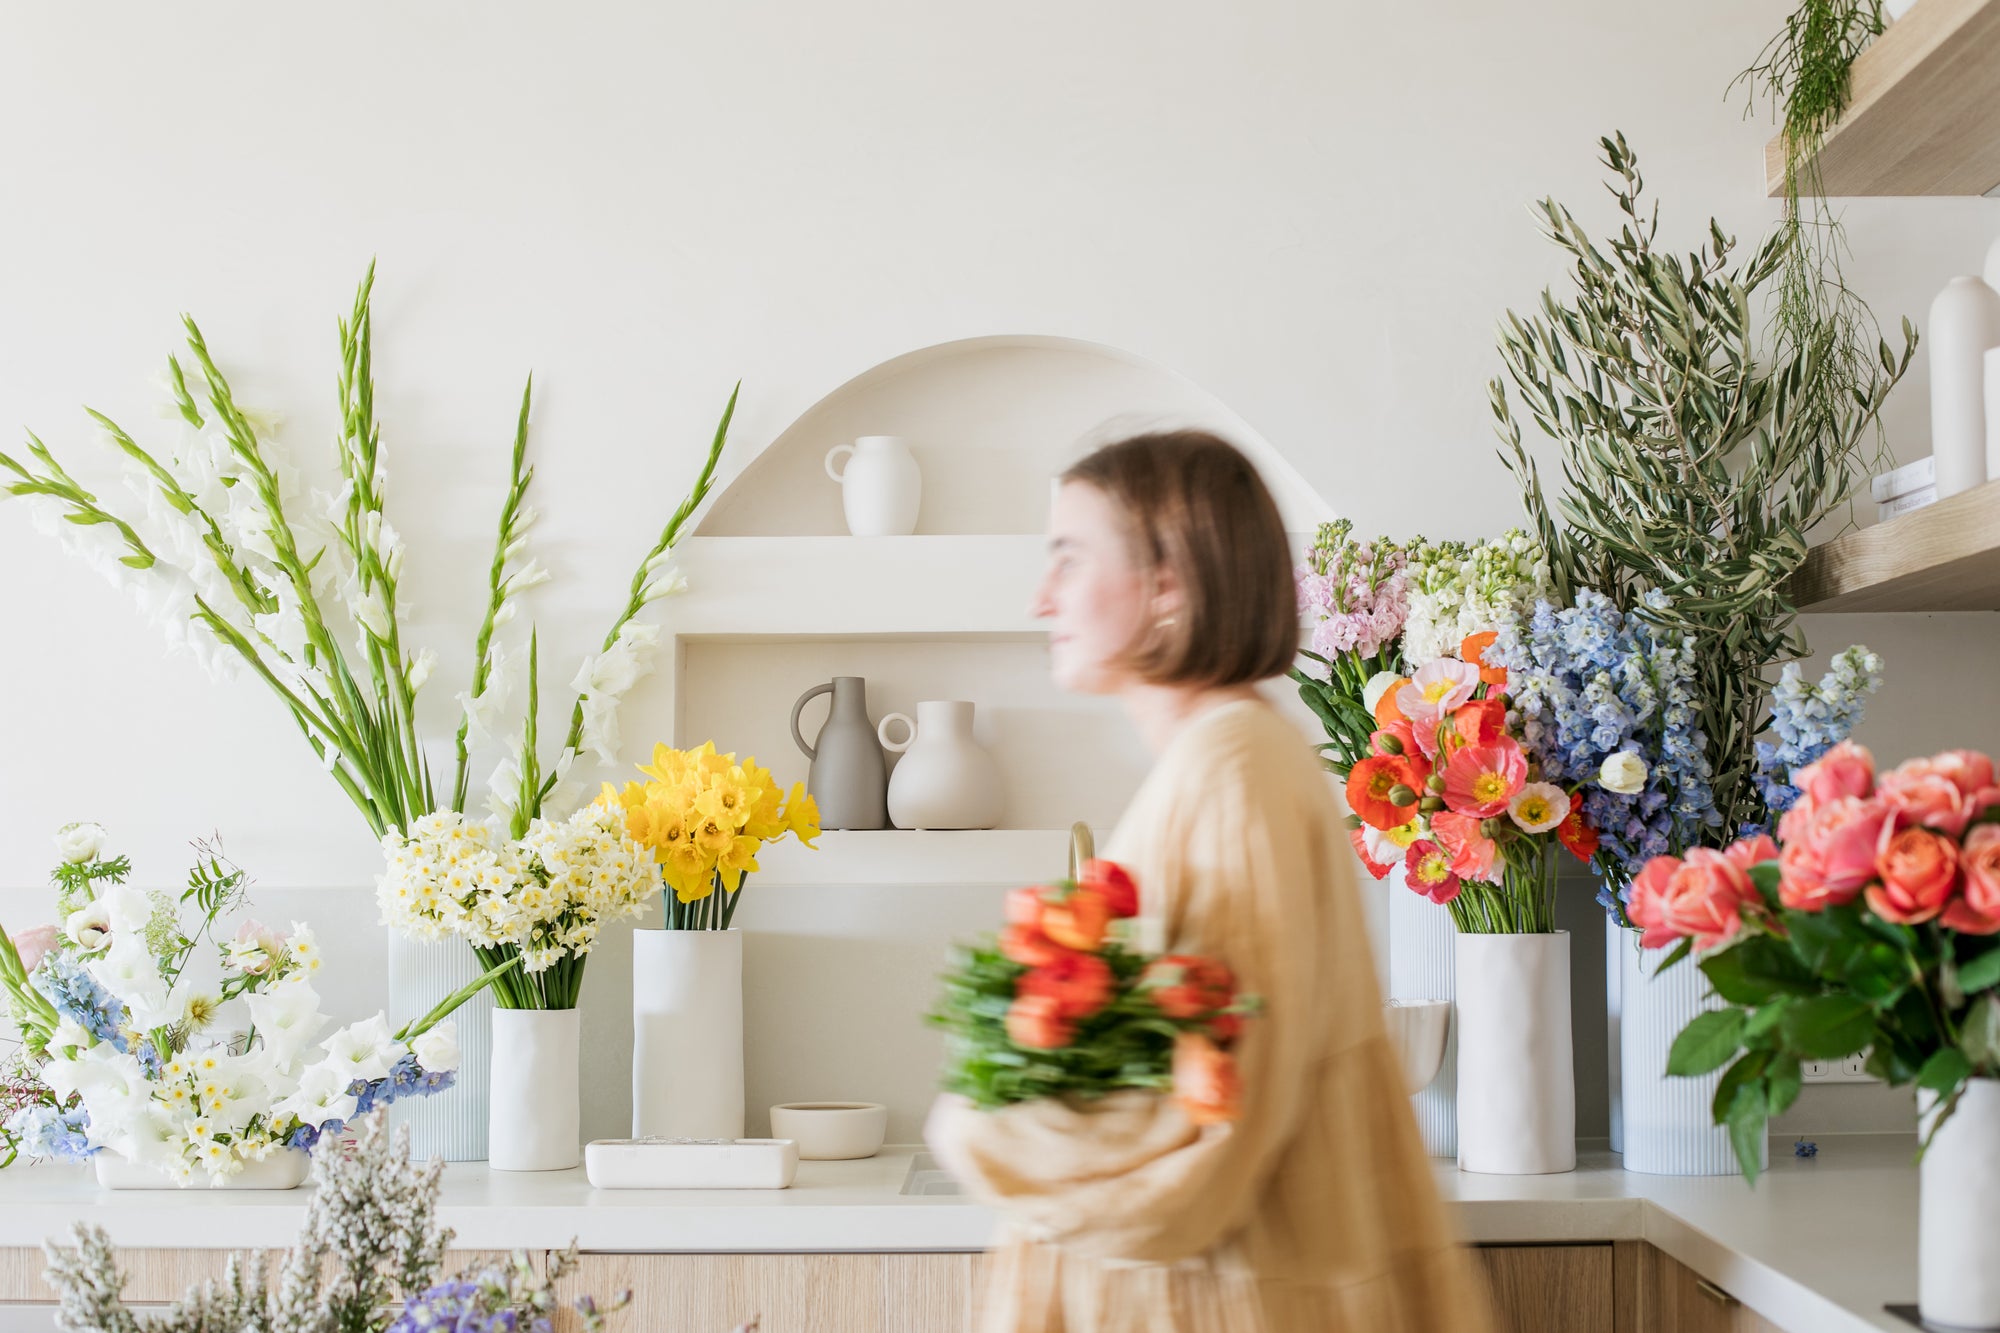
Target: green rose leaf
{"points": [[1877, 973], [1829, 1027], [1707, 1043], [1748, 1118], [1945, 1070], [1765, 876], [1757, 970], [1785, 1081], [1982, 973], [1979, 1038]]}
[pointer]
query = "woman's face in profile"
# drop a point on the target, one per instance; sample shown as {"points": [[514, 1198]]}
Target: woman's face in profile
{"points": [[1093, 596]]}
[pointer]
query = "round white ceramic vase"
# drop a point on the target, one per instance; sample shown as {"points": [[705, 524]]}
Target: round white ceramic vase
{"points": [[536, 1109], [945, 779], [881, 486]]}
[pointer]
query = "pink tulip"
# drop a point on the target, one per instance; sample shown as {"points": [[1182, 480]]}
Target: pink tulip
{"points": [[1830, 852], [1701, 898], [34, 944], [1977, 912], [1845, 770]]}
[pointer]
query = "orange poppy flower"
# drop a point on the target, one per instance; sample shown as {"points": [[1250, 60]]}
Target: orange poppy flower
{"points": [[1372, 786], [1473, 650], [1386, 711]]}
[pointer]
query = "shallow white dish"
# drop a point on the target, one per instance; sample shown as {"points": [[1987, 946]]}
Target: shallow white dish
{"points": [[691, 1164], [284, 1169], [832, 1131]]}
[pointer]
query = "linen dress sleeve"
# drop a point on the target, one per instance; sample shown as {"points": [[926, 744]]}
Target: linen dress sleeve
{"points": [[1239, 874]]}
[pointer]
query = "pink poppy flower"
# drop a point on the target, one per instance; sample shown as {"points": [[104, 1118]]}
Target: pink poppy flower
{"points": [[1436, 690], [1427, 870], [1481, 779], [1473, 854]]}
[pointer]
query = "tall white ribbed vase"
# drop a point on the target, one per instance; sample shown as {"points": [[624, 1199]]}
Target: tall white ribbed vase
{"points": [[1669, 1129], [451, 1124], [1420, 968], [1616, 938]]}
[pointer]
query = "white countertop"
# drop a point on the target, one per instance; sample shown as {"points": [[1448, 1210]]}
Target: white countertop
{"points": [[1818, 1247]]}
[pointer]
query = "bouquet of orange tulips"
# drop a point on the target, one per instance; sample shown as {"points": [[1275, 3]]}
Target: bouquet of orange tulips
{"points": [[1058, 1006]]}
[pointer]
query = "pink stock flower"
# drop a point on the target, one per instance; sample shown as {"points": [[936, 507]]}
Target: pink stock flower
{"points": [[1699, 898], [1472, 853], [1436, 689], [1977, 910], [1830, 852], [1919, 867], [1481, 779], [1427, 870], [34, 945], [1845, 770]]}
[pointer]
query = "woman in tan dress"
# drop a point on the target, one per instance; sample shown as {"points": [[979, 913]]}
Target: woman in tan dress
{"points": [[1169, 586]]}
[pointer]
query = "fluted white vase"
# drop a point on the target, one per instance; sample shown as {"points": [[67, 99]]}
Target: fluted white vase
{"points": [[1420, 968], [1669, 1127], [452, 1124]]}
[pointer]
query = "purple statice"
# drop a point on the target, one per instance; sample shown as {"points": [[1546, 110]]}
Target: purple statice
{"points": [[52, 1134], [1586, 682], [1808, 720], [462, 1306], [1354, 595], [79, 997]]}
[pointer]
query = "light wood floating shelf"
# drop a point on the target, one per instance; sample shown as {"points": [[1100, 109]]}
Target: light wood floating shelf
{"points": [[1943, 557], [854, 858], [1923, 115]]}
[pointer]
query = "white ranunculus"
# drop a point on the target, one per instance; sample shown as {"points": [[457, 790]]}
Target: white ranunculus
{"points": [[1624, 773], [437, 1050], [80, 842], [286, 1018], [320, 1097], [365, 1050], [89, 927]]}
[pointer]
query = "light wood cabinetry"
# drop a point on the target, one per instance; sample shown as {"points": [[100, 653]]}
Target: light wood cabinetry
{"points": [[1548, 1288], [789, 1293], [1658, 1294]]}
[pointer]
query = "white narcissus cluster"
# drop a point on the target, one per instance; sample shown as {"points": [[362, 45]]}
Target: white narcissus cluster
{"points": [[546, 896]]}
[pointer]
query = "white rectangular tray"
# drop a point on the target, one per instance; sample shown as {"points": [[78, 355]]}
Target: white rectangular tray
{"points": [[691, 1164]]}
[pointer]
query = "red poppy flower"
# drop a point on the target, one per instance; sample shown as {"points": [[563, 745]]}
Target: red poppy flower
{"points": [[1373, 790], [1578, 836]]}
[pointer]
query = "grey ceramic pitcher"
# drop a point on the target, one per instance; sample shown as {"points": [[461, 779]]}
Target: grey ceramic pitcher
{"points": [[849, 777]]}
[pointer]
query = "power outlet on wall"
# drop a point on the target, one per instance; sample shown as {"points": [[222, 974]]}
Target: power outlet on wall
{"points": [[1851, 1070]]}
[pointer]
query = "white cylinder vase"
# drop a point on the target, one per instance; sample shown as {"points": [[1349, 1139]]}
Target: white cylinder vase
{"points": [[1958, 1215], [1964, 323], [1420, 968], [537, 1118], [1516, 1067], [1670, 1129], [451, 1124], [687, 1034]]}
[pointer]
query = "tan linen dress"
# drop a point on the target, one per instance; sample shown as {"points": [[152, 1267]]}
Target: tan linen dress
{"points": [[1315, 1211]]}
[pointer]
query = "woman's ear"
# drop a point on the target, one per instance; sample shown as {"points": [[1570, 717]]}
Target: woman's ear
{"points": [[1167, 600]]}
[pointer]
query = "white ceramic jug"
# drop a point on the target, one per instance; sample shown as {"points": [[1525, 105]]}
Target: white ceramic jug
{"points": [[944, 779], [880, 486]]}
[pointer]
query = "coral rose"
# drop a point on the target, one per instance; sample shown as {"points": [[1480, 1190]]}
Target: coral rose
{"points": [[1918, 868], [1207, 1084], [1027, 946], [1036, 1022], [1747, 852], [1077, 919], [1701, 897], [1845, 770], [1184, 986], [1977, 910], [1924, 797], [1110, 881], [1079, 983], [1830, 852]]}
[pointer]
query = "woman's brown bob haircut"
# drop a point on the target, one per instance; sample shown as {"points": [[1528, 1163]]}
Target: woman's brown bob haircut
{"points": [[1196, 510]]}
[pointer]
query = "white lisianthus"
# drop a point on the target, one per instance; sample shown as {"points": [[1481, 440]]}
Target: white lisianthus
{"points": [[1624, 773], [437, 1050], [1377, 686], [80, 842], [366, 1050], [89, 927]]}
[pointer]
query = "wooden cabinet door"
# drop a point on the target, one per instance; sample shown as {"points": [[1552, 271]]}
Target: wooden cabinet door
{"points": [[1548, 1288], [1679, 1300]]}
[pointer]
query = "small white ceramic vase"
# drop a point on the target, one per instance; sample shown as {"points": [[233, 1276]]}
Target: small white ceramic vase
{"points": [[284, 1169], [537, 1109], [881, 487], [687, 1034], [1964, 325], [1669, 1128], [1958, 1215], [1516, 1076], [945, 779], [1420, 968]]}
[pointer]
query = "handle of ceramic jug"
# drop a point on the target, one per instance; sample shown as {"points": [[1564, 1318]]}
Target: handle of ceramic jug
{"points": [[830, 454], [800, 707], [882, 733]]}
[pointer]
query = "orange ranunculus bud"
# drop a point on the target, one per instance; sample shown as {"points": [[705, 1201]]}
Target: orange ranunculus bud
{"points": [[1184, 986], [1027, 946], [1077, 919], [1036, 1022], [1079, 983], [1207, 1084], [1109, 881]]}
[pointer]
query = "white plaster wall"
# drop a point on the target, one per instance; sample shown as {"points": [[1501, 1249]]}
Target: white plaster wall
{"points": [[1316, 213]]}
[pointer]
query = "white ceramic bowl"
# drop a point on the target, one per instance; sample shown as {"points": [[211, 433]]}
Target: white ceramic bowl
{"points": [[1418, 1029], [831, 1131]]}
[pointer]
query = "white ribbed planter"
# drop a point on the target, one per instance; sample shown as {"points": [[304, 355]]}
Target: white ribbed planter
{"points": [[1669, 1128], [1958, 1212], [1615, 941], [451, 1124], [687, 1034], [1420, 968], [537, 1109], [1516, 1056]]}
